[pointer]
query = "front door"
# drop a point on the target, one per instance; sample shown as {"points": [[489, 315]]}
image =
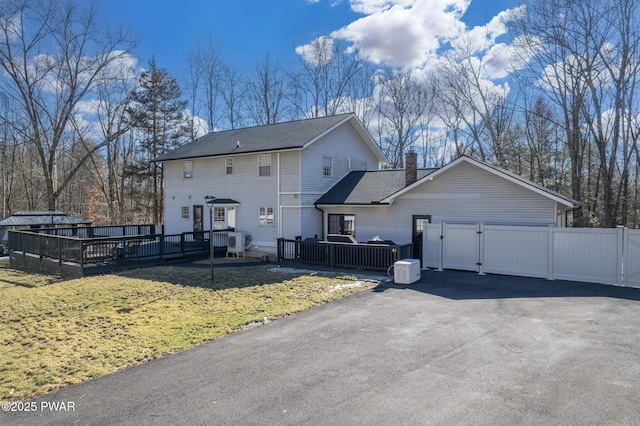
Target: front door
{"points": [[417, 233], [197, 222]]}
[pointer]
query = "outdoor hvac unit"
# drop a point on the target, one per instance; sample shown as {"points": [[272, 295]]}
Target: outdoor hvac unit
{"points": [[406, 271], [235, 243]]}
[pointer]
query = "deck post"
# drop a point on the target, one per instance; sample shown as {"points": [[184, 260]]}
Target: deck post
{"points": [[40, 246]]}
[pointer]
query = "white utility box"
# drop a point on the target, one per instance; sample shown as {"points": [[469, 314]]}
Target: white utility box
{"points": [[406, 271]]}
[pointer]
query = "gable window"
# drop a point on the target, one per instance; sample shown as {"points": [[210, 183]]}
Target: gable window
{"points": [[184, 212], [187, 170], [264, 165], [266, 216], [327, 166], [344, 224], [229, 166]]}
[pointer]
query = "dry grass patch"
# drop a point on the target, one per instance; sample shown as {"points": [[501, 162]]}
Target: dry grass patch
{"points": [[54, 333]]}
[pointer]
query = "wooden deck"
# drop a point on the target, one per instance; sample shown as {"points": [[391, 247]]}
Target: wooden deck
{"points": [[77, 257]]}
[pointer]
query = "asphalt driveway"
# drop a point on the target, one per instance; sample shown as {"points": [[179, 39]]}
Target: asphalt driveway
{"points": [[456, 348]]}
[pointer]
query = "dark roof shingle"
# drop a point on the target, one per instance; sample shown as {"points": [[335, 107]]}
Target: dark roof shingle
{"points": [[368, 187], [288, 135]]}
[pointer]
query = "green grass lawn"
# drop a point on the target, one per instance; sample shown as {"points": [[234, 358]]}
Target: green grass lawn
{"points": [[55, 333]]}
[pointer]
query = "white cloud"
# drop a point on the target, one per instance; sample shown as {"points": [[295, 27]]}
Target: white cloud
{"points": [[403, 32], [318, 52]]}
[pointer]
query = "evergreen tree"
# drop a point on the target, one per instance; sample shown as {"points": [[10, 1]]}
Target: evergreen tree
{"points": [[157, 117]]}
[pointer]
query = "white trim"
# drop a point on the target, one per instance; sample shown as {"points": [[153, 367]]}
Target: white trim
{"points": [[482, 166]]}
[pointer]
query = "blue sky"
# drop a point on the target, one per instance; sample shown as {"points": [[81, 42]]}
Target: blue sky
{"points": [[246, 30]]}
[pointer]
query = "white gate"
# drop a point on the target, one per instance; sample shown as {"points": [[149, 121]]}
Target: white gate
{"points": [[431, 246], [460, 247], [608, 256], [632, 258]]}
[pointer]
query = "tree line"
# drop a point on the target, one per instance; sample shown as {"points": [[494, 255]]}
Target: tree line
{"points": [[80, 123]]}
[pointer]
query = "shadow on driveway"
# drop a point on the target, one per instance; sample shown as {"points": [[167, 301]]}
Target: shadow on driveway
{"points": [[460, 285]]}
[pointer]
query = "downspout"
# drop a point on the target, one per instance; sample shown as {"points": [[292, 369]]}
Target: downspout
{"points": [[278, 206]]}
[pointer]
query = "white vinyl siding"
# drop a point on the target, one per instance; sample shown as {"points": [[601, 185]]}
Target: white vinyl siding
{"points": [[348, 152]]}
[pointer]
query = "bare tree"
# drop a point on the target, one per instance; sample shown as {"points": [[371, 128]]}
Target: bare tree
{"points": [[266, 92], [233, 93], [482, 106], [322, 81], [402, 104], [53, 55], [204, 86], [585, 60]]}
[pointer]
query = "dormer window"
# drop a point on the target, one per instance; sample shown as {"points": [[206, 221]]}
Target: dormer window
{"points": [[187, 170]]}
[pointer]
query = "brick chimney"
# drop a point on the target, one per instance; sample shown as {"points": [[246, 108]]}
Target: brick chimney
{"points": [[411, 168]]}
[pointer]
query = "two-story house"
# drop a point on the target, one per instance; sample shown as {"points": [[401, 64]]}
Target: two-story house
{"points": [[266, 179], [322, 176]]}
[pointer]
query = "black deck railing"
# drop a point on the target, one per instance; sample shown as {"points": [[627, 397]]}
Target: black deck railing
{"points": [[343, 255], [99, 231], [48, 252]]}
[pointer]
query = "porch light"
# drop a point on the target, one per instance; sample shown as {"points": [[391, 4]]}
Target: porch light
{"points": [[210, 199]]}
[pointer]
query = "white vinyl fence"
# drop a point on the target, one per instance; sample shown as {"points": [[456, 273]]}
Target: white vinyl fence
{"points": [[609, 256]]}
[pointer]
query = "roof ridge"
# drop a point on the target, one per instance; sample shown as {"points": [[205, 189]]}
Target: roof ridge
{"points": [[276, 124]]}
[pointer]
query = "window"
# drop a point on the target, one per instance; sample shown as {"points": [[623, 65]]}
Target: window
{"points": [[266, 216], [264, 165], [229, 164], [187, 170], [342, 224], [327, 167], [219, 215], [184, 212]]}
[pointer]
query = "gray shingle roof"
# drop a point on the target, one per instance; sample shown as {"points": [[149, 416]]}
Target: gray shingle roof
{"points": [[40, 218], [367, 187], [379, 186], [288, 135]]}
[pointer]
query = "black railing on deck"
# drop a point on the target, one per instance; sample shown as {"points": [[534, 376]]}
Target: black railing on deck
{"points": [[343, 255], [118, 251], [99, 231]]}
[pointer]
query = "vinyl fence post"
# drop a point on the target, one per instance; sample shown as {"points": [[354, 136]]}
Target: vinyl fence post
{"points": [[550, 236], [622, 252], [480, 261], [441, 248]]}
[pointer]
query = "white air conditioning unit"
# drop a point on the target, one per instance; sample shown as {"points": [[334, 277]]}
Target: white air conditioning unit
{"points": [[406, 271], [235, 242]]}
